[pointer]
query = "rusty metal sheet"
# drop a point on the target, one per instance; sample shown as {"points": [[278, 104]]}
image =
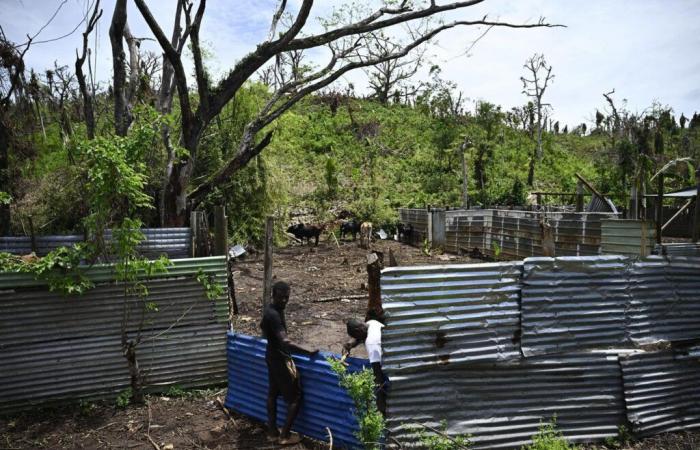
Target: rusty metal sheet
{"points": [[446, 314]]}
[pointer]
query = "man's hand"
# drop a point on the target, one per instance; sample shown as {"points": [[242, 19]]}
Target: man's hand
{"points": [[346, 348]]}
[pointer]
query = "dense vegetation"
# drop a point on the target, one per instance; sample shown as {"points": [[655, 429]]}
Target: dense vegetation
{"points": [[336, 151]]}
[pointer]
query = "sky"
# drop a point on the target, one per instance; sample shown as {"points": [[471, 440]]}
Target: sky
{"points": [[647, 50]]}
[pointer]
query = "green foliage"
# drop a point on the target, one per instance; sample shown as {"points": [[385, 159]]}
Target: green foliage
{"points": [[360, 387], [212, 289], [124, 398], [60, 269], [624, 437], [549, 438], [87, 408], [176, 391], [439, 440], [5, 198]]}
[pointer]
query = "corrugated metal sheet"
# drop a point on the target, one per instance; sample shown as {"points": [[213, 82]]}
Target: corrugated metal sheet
{"points": [[446, 314], [324, 404], [574, 303], [174, 242], [679, 249], [512, 234], [418, 219], [664, 300], [662, 393], [502, 405], [55, 347], [608, 301], [624, 237], [93, 367]]}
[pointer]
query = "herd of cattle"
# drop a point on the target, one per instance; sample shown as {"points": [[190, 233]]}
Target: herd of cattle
{"points": [[348, 228]]}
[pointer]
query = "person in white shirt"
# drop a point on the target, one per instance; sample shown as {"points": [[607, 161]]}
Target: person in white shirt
{"points": [[370, 333]]}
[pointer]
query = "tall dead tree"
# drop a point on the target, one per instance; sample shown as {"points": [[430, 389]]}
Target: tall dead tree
{"points": [[535, 88], [88, 97], [12, 82], [345, 44]]}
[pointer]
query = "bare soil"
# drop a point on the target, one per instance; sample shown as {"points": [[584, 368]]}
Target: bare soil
{"points": [[331, 270]]}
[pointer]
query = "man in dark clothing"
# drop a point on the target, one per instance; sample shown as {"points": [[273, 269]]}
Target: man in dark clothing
{"points": [[282, 373]]}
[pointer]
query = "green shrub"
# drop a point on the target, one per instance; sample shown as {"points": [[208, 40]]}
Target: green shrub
{"points": [[549, 438], [360, 387]]}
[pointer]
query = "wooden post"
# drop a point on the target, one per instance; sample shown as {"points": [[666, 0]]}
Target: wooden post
{"points": [[193, 232], [579, 197], [659, 208], [634, 204], [233, 304], [267, 279], [696, 217], [220, 231], [32, 236], [374, 304], [465, 193], [539, 200]]}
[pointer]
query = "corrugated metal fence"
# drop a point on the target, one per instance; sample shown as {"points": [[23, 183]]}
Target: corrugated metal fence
{"points": [[495, 349], [173, 242], [324, 403], [512, 234], [55, 347]]}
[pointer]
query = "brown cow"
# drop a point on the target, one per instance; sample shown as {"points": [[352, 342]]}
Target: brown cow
{"points": [[365, 234]]}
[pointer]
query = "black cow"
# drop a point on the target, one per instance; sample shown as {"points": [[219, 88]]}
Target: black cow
{"points": [[405, 232], [349, 227], [301, 232]]}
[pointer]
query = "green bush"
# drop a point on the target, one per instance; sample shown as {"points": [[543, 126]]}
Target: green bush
{"points": [[549, 438], [360, 387]]}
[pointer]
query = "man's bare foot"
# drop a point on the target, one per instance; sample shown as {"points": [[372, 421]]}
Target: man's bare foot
{"points": [[292, 439], [272, 434]]}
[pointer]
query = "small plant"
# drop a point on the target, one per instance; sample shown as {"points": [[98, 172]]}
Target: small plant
{"points": [[212, 289], [360, 387], [549, 438], [87, 408], [439, 440], [623, 438], [496, 249], [124, 398], [426, 247], [176, 391]]}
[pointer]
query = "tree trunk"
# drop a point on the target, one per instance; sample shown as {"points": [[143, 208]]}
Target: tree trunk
{"points": [[174, 196], [4, 177], [134, 373], [116, 37]]}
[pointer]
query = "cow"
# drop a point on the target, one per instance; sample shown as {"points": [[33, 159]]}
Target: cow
{"points": [[365, 234], [405, 232], [349, 227], [301, 232]]}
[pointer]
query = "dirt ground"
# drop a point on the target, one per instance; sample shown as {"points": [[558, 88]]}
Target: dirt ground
{"points": [[196, 420], [315, 273]]}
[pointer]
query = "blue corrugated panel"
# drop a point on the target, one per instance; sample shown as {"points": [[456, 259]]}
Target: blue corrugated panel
{"points": [[325, 403]]}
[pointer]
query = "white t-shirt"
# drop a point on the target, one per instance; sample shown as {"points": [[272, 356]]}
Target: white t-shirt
{"points": [[373, 343]]}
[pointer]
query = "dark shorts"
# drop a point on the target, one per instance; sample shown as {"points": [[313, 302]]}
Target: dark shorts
{"points": [[284, 378]]}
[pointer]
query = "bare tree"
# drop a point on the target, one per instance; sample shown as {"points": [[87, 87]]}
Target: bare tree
{"points": [[342, 41], [88, 97], [541, 74], [11, 85], [388, 76]]}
